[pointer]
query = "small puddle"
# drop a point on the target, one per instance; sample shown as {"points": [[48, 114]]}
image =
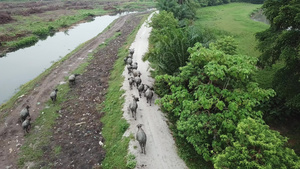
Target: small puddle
{"points": [[260, 17], [23, 65]]}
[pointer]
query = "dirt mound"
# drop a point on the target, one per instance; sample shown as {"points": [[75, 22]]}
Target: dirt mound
{"points": [[109, 8], [5, 18], [32, 11]]}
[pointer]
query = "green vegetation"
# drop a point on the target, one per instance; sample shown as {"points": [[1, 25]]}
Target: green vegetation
{"points": [[212, 93], [214, 102], [257, 147], [281, 43], [23, 42], [233, 20], [115, 125], [166, 36], [205, 3], [182, 10], [131, 162], [136, 5]]}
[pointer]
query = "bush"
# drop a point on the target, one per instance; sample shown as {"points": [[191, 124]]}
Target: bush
{"points": [[24, 42], [256, 146], [44, 32], [131, 162]]}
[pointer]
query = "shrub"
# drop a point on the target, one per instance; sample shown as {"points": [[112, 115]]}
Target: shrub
{"points": [[24, 42], [256, 146]]}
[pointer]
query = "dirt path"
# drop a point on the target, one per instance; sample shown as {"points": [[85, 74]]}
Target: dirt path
{"points": [[11, 134], [161, 150]]}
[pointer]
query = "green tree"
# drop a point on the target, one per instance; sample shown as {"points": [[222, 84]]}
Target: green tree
{"points": [[210, 95], [182, 9], [170, 42], [256, 146], [281, 42]]}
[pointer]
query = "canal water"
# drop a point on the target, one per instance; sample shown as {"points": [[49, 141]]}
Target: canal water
{"points": [[23, 65]]}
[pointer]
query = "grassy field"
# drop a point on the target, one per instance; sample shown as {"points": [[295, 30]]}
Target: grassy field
{"points": [[233, 19]]}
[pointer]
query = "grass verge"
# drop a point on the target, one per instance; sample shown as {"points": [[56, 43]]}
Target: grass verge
{"points": [[115, 125]]}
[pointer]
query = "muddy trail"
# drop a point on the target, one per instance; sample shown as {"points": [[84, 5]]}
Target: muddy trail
{"points": [[78, 129], [161, 151]]}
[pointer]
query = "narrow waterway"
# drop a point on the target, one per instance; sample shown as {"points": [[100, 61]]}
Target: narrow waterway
{"points": [[21, 66]]}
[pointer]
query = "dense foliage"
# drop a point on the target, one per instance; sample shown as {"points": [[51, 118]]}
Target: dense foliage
{"points": [[281, 42], [213, 99], [257, 147], [212, 93], [220, 2], [209, 93], [186, 9], [181, 9], [171, 42]]}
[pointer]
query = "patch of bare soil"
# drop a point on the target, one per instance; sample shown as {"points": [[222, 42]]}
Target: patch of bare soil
{"points": [[5, 18], [29, 8], [78, 130]]}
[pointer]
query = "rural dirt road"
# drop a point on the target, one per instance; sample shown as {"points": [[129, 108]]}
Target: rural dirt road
{"points": [[161, 152]]}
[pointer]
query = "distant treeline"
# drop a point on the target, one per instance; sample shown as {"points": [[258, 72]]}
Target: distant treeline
{"points": [[219, 2]]}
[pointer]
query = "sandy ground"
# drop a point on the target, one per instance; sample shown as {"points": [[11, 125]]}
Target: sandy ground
{"points": [[161, 152]]}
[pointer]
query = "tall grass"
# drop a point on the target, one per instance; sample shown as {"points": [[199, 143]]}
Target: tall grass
{"points": [[23, 42]]}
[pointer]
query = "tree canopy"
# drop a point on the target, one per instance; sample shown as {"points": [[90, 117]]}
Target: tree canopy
{"points": [[170, 42], [210, 95], [281, 43], [257, 146]]}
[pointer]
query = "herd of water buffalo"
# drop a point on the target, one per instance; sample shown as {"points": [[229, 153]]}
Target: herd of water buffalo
{"points": [[134, 80]]}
